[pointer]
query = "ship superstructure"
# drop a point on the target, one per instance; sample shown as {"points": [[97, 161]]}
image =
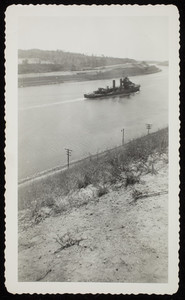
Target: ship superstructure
{"points": [[126, 87]]}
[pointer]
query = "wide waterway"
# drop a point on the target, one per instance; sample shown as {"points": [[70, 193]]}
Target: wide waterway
{"points": [[55, 117]]}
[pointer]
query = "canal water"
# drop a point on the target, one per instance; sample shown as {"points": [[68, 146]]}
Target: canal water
{"points": [[54, 117]]}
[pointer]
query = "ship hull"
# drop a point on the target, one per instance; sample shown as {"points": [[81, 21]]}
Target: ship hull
{"points": [[112, 94]]}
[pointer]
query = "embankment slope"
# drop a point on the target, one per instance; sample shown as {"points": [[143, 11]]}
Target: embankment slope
{"points": [[112, 231]]}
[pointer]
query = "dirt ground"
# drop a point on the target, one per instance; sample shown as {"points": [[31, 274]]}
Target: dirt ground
{"points": [[113, 238]]}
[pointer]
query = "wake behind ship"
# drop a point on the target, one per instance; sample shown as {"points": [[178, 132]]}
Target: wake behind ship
{"points": [[126, 88]]}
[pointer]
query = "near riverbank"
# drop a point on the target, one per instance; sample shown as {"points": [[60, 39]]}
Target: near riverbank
{"points": [[104, 220]]}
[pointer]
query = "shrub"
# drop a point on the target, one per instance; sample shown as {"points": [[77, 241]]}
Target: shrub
{"points": [[136, 194], [131, 179], [114, 166], [60, 207], [39, 213], [48, 202], [67, 183], [34, 209], [83, 182], [102, 190], [67, 241]]}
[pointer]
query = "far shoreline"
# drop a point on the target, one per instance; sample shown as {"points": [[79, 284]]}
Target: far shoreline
{"points": [[85, 76]]}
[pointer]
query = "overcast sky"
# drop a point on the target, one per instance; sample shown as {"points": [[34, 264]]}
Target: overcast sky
{"points": [[142, 38]]}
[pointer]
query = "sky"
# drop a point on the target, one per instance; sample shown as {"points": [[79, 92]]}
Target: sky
{"points": [[141, 38]]}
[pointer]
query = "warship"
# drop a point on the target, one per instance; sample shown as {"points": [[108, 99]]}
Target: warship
{"points": [[126, 87]]}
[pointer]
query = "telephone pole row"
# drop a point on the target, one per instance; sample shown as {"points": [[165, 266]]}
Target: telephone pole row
{"points": [[68, 152]]}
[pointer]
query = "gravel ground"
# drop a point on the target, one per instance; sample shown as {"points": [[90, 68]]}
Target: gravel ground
{"points": [[113, 238]]}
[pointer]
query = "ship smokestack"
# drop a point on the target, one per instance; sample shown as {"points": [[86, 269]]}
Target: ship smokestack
{"points": [[114, 84]]}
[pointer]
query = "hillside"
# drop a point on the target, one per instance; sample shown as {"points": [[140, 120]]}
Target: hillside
{"points": [[104, 220], [41, 67], [35, 61]]}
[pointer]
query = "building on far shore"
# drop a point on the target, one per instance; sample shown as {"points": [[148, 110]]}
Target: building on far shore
{"points": [[22, 61]]}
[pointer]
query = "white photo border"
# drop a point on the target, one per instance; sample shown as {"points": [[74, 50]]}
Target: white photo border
{"points": [[11, 252]]}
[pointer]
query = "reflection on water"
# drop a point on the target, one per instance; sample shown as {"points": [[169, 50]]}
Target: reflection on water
{"points": [[54, 117]]}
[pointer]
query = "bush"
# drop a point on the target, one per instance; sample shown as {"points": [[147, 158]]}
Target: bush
{"points": [[48, 202], [60, 207], [84, 182], [66, 241], [102, 190], [67, 182], [131, 179], [137, 194], [39, 213]]}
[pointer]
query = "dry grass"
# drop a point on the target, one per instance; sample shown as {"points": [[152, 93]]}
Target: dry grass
{"points": [[107, 169], [66, 241]]}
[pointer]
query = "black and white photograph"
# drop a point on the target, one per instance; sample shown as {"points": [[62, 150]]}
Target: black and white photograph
{"points": [[92, 148]]}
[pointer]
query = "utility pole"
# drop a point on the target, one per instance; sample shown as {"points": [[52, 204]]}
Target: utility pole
{"points": [[148, 127], [123, 137], [68, 152]]}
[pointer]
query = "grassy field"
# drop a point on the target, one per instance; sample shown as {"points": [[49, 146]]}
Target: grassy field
{"points": [[100, 172]]}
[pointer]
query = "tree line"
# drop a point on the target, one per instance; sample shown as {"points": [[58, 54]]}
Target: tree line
{"points": [[62, 60]]}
